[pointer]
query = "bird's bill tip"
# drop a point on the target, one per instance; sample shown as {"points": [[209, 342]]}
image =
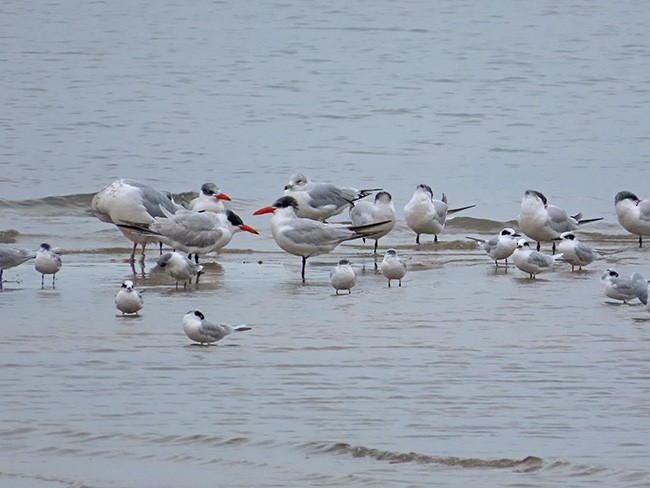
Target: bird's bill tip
{"points": [[222, 196], [264, 210], [248, 229]]}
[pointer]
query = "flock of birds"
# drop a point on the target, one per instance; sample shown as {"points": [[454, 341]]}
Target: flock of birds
{"points": [[299, 226]]}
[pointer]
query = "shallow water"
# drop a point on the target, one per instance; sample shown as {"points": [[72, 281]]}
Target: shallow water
{"points": [[467, 375]]}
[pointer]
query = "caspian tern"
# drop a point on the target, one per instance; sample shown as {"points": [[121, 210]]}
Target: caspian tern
{"points": [[47, 262], [633, 213], [209, 199], [500, 246], [382, 209]]}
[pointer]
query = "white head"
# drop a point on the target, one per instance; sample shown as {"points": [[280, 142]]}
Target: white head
{"points": [[523, 244], [128, 285]]}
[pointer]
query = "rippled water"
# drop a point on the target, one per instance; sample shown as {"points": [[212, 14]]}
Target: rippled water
{"points": [[465, 376]]}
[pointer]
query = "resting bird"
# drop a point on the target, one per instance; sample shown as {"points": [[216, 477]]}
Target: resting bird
{"points": [[205, 333]]}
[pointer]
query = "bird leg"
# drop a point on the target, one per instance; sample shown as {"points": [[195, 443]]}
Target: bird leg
{"points": [[304, 263]]}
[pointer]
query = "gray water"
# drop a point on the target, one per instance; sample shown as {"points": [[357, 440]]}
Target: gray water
{"points": [[465, 376]]}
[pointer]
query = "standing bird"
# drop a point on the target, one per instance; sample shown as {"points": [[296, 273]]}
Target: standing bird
{"points": [[47, 262], [575, 252], [11, 257], [131, 202], [532, 262], [500, 246], [633, 213], [543, 222], [424, 215], [343, 276], [382, 209], [392, 267], [128, 299], [179, 267], [306, 237], [200, 330], [209, 199], [320, 201], [623, 289]]}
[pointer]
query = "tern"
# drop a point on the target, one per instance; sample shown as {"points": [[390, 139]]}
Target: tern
{"points": [[532, 262], [500, 246], [47, 262], [575, 252], [179, 267], [381, 210], [623, 289], [210, 199], [128, 300], [11, 257], [205, 333], [343, 276], [633, 213], [393, 267]]}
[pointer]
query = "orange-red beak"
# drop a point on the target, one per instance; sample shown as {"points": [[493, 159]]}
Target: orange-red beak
{"points": [[264, 210], [222, 196], [248, 229]]}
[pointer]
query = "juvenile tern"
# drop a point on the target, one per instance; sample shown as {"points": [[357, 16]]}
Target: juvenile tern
{"points": [[624, 289], [575, 252], [209, 199], [200, 330], [393, 267], [543, 222], [633, 213], [128, 299], [532, 262], [305, 237], [343, 276], [179, 267], [11, 257], [425, 215], [47, 262], [320, 201], [381, 210], [500, 246]]}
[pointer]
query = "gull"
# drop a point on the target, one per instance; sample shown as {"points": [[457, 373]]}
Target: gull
{"points": [[209, 199], [11, 257], [200, 330], [47, 262], [320, 201], [128, 299], [343, 276], [305, 237], [543, 222], [127, 201], [633, 213], [179, 267], [392, 267], [425, 215], [500, 246], [532, 262], [575, 252], [623, 288], [382, 209]]}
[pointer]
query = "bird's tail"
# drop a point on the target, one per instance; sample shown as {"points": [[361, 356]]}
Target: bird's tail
{"points": [[139, 227], [454, 210], [368, 229], [240, 328], [480, 241]]}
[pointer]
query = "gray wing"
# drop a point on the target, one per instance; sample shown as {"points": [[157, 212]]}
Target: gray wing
{"points": [[644, 211], [11, 256], [191, 229], [490, 245], [641, 290], [306, 231], [323, 194], [585, 253], [153, 199], [361, 213], [624, 286], [215, 331], [440, 209], [540, 259], [559, 220]]}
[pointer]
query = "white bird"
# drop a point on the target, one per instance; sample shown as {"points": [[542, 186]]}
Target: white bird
{"points": [[500, 246], [343, 276], [127, 201], [642, 288], [381, 210], [425, 215], [200, 330], [543, 222], [209, 199], [623, 288], [393, 267], [320, 201], [575, 252], [47, 262], [306, 237], [128, 299], [633, 213], [11, 257], [197, 232], [179, 267], [532, 262]]}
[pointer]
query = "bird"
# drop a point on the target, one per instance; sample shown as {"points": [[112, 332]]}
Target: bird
{"points": [[382, 209], [205, 333], [575, 252], [179, 266], [543, 222], [633, 213], [393, 267], [343, 276], [47, 262], [306, 237], [128, 300], [126, 201], [13, 256], [196, 232], [210, 199], [425, 215], [500, 246], [532, 262], [623, 289], [320, 201]]}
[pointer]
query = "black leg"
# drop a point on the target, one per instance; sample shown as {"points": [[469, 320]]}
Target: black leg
{"points": [[304, 263]]}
